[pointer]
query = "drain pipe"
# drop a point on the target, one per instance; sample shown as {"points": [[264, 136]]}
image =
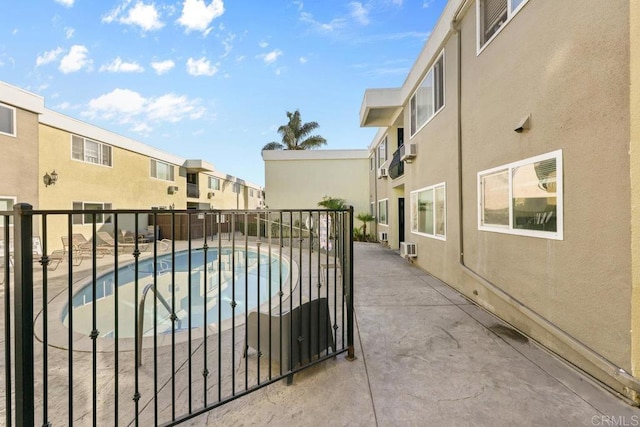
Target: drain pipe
{"points": [[631, 384]]}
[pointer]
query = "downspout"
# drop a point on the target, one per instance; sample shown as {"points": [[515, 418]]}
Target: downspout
{"points": [[630, 383]]}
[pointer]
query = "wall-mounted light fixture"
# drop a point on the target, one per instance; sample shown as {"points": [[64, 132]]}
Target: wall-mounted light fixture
{"points": [[524, 124], [50, 179]]}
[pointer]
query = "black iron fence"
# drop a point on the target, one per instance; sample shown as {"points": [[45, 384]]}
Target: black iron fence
{"points": [[107, 321]]}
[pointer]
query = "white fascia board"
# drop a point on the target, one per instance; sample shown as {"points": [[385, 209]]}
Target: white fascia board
{"points": [[20, 98], [199, 164], [281, 155], [432, 48], [69, 124]]}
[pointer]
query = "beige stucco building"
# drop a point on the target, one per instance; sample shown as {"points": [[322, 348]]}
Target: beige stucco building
{"points": [[299, 179], [98, 169], [519, 135]]}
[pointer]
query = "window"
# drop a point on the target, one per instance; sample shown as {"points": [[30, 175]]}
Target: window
{"points": [[493, 15], [214, 183], [161, 170], [90, 151], [87, 218], [251, 192], [7, 120], [372, 163], [523, 198], [429, 98], [382, 211], [382, 152], [6, 204], [429, 211]]}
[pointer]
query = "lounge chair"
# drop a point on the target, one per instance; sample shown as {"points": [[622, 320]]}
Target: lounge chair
{"points": [[310, 337], [128, 244], [80, 245], [57, 256]]}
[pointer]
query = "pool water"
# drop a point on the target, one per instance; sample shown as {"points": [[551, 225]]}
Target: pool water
{"points": [[244, 276]]}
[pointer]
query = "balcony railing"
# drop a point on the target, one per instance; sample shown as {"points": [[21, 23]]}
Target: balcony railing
{"points": [[232, 311], [193, 191], [396, 167]]}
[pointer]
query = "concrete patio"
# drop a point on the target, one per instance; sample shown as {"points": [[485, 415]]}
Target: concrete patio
{"points": [[427, 356]]}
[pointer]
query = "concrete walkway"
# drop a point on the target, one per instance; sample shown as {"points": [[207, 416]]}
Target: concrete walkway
{"points": [[428, 357]]}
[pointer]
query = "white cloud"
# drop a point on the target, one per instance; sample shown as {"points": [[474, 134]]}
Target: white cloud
{"points": [[359, 12], [65, 3], [129, 107], [118, 66], [263, 44], [119, 102], [14, 32], [303, 60], [427, 3], [197, 15], [145, 16], [75, 60], [49, 56], [62, 106], [271, 57], [329, 27], [201, 67], [163, 67], [299, 4], [68, 31]]}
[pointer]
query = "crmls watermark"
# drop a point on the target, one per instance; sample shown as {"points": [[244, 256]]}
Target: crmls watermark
{"points": [[613, 420]]}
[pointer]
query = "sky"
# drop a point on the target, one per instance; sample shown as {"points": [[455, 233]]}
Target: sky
{"points": [[213, 79]]}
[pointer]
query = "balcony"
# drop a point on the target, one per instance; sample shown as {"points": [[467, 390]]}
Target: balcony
{"points": [[193, 191], [396, 167]]}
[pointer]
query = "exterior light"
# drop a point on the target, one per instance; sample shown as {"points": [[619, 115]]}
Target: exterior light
{"points": [[50, 179]]}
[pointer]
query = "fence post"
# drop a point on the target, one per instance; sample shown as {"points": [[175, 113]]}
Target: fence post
{"points": [[349, 275], [24, 360]]}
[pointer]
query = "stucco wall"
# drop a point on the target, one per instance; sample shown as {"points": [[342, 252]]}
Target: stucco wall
{"points": [[571, 75], [19, 164], [635, 182], [301, 183]]}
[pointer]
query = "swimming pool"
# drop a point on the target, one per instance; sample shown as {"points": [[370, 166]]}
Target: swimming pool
{"points": [[236, 275]]}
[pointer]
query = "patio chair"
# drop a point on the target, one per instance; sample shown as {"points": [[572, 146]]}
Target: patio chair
{"points": [[57, 256], [302, 336]]}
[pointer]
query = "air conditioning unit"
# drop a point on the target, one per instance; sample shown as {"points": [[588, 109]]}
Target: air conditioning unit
{"points": [[383, 236], [382, 173], [408, 152], [172, 189], [210, 194], [408, 250]]}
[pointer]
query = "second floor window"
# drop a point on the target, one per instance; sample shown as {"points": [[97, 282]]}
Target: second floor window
{"points": [[161, 170], [89, 151], [214, 183], [429, 98], [7, 120], [382, 152]]}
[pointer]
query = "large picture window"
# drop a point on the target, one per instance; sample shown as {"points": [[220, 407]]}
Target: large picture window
{"points": [[493, 15], [87, 218], [161, 170], [429, 211], [90, 151], [429, 98], [7, 120], [523, 198], [382, 211]]}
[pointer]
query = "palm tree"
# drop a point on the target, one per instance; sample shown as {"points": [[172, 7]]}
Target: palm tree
{"points": [[365, 218], [295, 135], [332, 203]]}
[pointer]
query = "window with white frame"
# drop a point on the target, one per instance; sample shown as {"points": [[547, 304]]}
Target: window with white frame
{"points": [[7, 120], [382, 152], [214, 183], [429, 211], [251, 192], [89, 151], [493, 15], [161, 170], [523, 198], [87, 217], [6, 204], [428, 99], [382, 211]]}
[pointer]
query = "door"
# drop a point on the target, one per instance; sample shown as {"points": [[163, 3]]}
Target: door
{"points": [[401, 219]]}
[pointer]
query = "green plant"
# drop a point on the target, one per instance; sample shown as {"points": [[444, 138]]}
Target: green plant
{"points": [[295, 135], [365, 218], [332, 203]]}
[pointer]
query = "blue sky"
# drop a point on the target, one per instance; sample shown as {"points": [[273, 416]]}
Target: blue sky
{"points": [[213, 79]]}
